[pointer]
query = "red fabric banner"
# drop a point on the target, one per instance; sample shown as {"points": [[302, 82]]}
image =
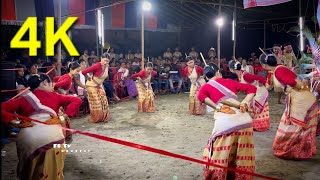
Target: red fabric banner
{"points": [[118, 15], [8, 10], [77, 6], [255, 3], [152, 21]]}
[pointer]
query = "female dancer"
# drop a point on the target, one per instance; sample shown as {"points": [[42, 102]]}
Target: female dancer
{"points": [[295, 138], [231, 143], [145, 94], [194, 73], [98, 102], [260, 106], [63, 83], [37, 157]]}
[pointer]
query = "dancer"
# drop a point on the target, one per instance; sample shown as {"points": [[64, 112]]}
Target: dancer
{"points": [[63, 83], [37, 157], [145, 94], [295, 138], [194, 73], [260, 106], [98, 102], [232, 127]]}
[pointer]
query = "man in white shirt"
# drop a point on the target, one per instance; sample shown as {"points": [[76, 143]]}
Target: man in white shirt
{"points": [[246, 67]]}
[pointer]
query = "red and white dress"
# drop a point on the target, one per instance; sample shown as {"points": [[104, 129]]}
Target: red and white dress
{"points": [[231, 142], [296, 134], [35, 144], [63, 83], [260, 106], [195, 106], [146, 101]]}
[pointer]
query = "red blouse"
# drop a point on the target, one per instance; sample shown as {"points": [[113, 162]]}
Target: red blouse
{"points": [[199, 71], [208, 91], [51, 99], [143, 75], [250, 78], [285, 76], [62, 82], [95, 69]]}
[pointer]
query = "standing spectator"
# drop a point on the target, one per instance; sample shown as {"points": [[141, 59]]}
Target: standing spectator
{"points": [[112, 53], [193, 53], [212, 53], [177, 54], [129, 56], [167, 54], [85, 56], [138, 54], [93, 58]]}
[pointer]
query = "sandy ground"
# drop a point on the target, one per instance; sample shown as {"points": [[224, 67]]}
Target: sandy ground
{"points": [[170, 128]]}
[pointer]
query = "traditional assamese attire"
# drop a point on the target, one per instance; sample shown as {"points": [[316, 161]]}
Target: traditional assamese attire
{"points": [[37, 157], [129, 83], [195, 106], [98, 102], [231, 143], [63, 83], [260, 106], [145, 93], [315, 89], [295, 138], [63, 86]]}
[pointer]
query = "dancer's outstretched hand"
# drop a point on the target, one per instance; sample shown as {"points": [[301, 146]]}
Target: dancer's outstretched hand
{"points": [[243, 108], [24, 124], [53, 120], [226, 109]]}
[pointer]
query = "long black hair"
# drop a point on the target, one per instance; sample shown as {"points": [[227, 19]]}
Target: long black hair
{"points": [[210, 70], [233, 64], [270, 59], [73, 66], [149, 64], [105, 55], [35, 80]]}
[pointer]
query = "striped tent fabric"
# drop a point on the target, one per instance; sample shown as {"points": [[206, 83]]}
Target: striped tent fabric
{"points": [[20, 10], [255, 3], [116, 14]]}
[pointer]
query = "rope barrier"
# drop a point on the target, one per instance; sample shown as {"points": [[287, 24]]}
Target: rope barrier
{"points": [[17, 69], [147, 148]]}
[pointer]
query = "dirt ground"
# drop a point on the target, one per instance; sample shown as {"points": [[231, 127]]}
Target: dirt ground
{"points": [[170, 128]]}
